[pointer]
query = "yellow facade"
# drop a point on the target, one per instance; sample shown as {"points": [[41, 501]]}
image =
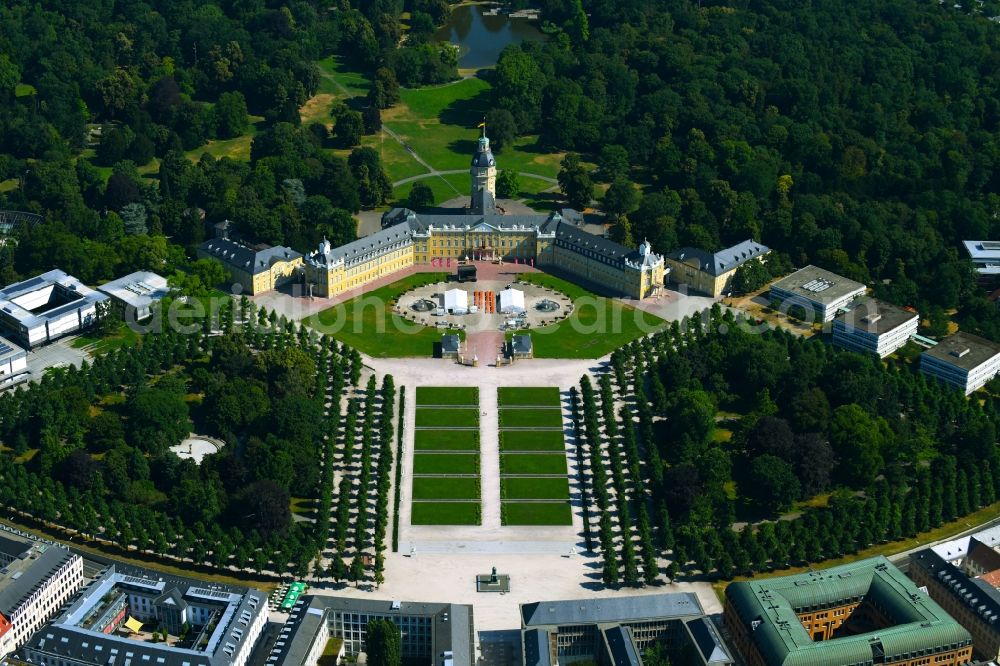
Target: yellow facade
{"points": [[524, 245], [687, 271], [280, 272]]}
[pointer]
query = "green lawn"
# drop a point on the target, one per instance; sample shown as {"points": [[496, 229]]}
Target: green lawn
{"points": [[597, 326], [533, 488], [533, 463], [529, 395], [445, 487], [446, 463], [450, 417], [24, 90], [536, 513], [447, 395], [331, 68], [446, 440], [123, 336], [443, 188], [531, 440], [445, 513], [530, 417], [368, 324], [398, 162]]}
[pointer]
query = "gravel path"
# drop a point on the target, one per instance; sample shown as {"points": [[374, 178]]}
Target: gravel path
{"points": [[489, 457]]}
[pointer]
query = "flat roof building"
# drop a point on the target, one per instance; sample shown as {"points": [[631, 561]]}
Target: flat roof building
{"points": [[874, 327], [429, 630], [972, 601], [617, 630], [134, 294], [223, 623], [47, 307], [985, 255], [817, 290], [712, 272], [866, 612], [13, 364], [962, 360], [36, 579]]}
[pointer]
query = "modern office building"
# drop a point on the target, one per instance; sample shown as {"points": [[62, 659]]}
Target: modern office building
{"points": [[962, 360], [47, 307], [111, 623], [483, 232], [712, 272], [36, 579], [985, 255], [303, 637], [617, 630], [431, 633], [133, 295], [814, 290], [13, 364], [862, 613], [872, 326], [255, 269], [972, 601]]}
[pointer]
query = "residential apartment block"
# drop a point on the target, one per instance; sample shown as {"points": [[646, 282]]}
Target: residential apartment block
{"points": [[972, 601], [111, 623], [36, 579]]}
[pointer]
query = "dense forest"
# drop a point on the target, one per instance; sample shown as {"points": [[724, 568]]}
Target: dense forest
{"points": [[722, 426], [860, 136]]}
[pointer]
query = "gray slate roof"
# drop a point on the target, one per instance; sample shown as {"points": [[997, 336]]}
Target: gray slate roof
{"points": [[977, 595], [678, 605], [706, 638], [621, 647], [521, 343], [239, 256], [400, 225], [723, 261], [536, 648], [298, 634], [63, 638], [450, 343], [33, 573]]}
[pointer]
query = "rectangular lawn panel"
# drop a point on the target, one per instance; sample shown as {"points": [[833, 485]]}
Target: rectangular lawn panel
{"points": [[530, 418], [447, 395], [533, 463], [547, 396], [533, 488], [531, 440], [537, 513], [436, 418], [446, 463], [445, 487], [445, 513], [446, 440]]}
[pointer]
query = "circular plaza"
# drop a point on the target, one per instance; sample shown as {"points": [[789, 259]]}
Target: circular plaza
{"points": [[484, 305]]}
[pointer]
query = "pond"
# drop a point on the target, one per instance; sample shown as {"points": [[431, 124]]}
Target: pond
{"points": [[481, 36]]}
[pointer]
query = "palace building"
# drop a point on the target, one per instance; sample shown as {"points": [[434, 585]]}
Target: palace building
{"points": [[483, 232]]}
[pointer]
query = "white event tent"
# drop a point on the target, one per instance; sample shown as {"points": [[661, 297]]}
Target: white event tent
{"points": [[511, 301], [456, 301]]}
